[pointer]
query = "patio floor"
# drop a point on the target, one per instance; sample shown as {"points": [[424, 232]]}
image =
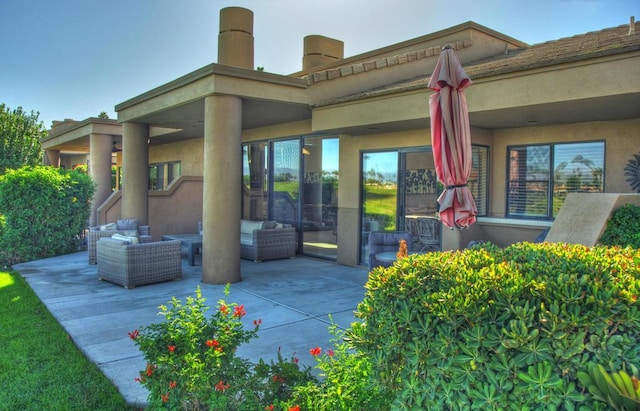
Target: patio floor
{"points": [[293, 297]]}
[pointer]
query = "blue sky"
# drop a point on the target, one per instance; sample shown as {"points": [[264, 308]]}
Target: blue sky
{"points": [[76, 58]]}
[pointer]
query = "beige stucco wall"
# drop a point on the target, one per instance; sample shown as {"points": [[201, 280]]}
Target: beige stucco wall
{"points": [[622, 140], [189, 152]]}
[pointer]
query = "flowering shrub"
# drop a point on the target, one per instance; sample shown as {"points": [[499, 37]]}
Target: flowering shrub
{"points": [[347, 382], [191, 361]]}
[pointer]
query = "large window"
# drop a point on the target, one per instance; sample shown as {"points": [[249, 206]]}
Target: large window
{"points": [[162, 174], [539, 177]]}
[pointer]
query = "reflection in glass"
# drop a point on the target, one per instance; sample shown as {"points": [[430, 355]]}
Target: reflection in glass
{"points": [[320, 197]]}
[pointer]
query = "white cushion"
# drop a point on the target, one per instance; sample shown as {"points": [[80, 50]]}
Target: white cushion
{"points": [[246, 239], [109, 227], [247, 226], [130, 239]]}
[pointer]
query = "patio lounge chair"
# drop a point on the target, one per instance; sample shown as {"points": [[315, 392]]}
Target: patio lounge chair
{"points": [[130, 265], [123, 227]]}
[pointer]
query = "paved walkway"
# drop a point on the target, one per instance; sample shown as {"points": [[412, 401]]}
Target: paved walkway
{"points": [[293, 297]]}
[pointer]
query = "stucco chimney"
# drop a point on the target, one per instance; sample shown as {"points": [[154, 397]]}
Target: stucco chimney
{"points": [[320, 50], [235, 40]]}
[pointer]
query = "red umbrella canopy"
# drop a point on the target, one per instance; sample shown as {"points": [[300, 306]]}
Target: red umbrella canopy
{"points": [[451, 140]]}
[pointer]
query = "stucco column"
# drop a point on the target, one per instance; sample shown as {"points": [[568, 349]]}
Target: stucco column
{"points": [[54, 157], [100, 171], [222, 189], [135, 178]]}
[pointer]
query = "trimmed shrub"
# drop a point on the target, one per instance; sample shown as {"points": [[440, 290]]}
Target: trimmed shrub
{"points": [[623, 228], [44, 209], [498, 328]]}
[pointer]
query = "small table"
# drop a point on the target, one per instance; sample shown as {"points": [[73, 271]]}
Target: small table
{"points": [[391, 256], [192, 241]]}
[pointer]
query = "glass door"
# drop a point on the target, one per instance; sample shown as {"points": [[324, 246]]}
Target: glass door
{"points": [[418, 199], [285, 184], [379, 196], [320, 197]]}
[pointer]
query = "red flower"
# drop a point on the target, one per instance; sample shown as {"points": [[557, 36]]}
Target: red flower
{"points": [[315, 351], [294, 408], [257, 323], [269, 407], [172, 385], [238, 311], [165, 397], [149, 370], [133, 335], [277, 378], [330, 352], [221, 386], [295, 360], [171, 348], [212, 343], [224, 309]]}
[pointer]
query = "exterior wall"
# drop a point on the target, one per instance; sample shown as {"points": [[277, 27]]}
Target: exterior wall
{"points": [[189, 152], [621, 142], [177, 210]]}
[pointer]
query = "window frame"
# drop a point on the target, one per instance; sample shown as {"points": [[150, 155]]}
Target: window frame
{"points": [[550, 181]]}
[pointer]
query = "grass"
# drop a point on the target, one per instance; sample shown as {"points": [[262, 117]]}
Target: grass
{"points": [[41, 368]]}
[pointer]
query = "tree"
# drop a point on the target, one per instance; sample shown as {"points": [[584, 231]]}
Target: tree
{"points": [[103, 114], [20, 134]]}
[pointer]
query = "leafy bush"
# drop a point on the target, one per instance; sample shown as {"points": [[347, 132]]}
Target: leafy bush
{"points": [[623, 228], [619, 389], [500, 328], [191, 361], [347, 383], [45, 209]]}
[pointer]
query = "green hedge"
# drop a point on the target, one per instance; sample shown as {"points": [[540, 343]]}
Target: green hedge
{"points": [[45, 209], [498, 328], [623, 228]]}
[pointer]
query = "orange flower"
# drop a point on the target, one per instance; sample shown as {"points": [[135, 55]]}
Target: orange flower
{"points": [[212, 343], [221, 386], [315, 351], [238, 311], [294, 408], [402, 251]]}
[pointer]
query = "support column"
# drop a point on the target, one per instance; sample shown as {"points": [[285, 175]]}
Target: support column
{"points": [[54, 157], [135, 178], [222, 189], [100, 171]]}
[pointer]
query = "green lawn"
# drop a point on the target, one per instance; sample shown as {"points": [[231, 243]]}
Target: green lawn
{"points": [[40, 367]]}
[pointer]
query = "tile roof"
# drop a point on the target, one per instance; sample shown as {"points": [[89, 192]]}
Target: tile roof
{"points": [[581, 47]]}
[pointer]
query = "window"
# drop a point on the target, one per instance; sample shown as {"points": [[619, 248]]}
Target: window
{"points": [[479, 177], [163, 174], [539, 177]]}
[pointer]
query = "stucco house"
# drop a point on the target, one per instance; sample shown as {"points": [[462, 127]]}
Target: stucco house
{"points": [[342, 147]]}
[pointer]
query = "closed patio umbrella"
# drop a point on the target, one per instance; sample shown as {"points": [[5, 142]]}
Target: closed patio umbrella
{"points": [[451, 140]]}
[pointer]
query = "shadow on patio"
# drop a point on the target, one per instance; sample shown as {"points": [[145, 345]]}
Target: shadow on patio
{"points": [[293, 297]]}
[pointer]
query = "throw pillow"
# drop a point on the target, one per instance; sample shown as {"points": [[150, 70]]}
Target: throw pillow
{"points": [[108, 227], [128, 224], [123, 238]]}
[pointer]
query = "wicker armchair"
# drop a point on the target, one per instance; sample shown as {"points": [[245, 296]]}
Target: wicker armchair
{"points": [[95, 234], [259, 244], [131, 265]]}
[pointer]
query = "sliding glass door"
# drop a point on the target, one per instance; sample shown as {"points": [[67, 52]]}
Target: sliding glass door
{"points": [[320, 197]]}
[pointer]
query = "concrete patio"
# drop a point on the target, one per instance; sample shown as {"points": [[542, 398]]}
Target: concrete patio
{"points": [[293, 297]]}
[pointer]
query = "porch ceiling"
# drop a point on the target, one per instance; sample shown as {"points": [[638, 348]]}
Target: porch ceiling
{"points": [[187, 121]]}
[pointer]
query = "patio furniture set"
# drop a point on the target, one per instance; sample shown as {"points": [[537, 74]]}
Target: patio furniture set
{"points": [[125, 254]]}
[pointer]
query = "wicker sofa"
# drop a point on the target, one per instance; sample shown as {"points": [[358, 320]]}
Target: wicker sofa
{"points": [[127, 227], [267, 240], [130, 265]]}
